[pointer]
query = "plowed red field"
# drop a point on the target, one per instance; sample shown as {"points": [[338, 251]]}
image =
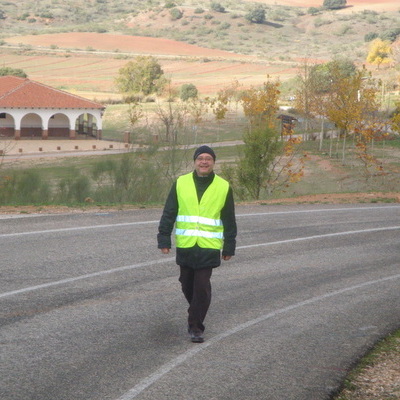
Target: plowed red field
{"points": [[111, 42]]}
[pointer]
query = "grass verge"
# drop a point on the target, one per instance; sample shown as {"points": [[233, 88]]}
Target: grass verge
{"points": [[377, 375]]}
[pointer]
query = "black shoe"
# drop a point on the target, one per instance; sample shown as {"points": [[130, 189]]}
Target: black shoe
{"points": [[196, 337]]}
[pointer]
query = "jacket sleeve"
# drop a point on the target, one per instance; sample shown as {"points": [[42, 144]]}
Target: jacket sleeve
{"points": [[167, 220], [229, 221]]}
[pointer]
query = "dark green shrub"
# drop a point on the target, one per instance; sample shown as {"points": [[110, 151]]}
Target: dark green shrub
{"points": [[175, 13], [188, 91], [169, 4], [47, 14], [24, 187], [334, 4], [132, 179], [4, 71], [217, 7], [390, 34], [225, 25], [313, 11], [256, 14], [370, 36], [74, 189]]}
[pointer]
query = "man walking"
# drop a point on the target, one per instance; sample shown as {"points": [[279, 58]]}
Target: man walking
{"points": [[201, 206]]}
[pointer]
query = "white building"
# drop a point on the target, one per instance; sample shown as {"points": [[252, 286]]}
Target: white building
{"points": [[31, 109]]}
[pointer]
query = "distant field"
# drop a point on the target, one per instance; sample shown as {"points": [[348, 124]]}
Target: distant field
{"points": [[86, 63], [121, 43], [93, 76]]}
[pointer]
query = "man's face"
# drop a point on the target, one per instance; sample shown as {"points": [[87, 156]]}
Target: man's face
{"points": [[204, 164]]}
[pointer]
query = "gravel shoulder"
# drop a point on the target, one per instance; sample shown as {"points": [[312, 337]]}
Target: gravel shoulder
{"points": [[377, 377]]}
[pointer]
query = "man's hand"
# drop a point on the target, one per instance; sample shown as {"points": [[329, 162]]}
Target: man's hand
{"points": [[226, 258], [165, 251]]}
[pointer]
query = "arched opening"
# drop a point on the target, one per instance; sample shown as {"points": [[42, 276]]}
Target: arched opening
{"points": [[31, 126], [86, 125], [58, 126], [7, 125]]}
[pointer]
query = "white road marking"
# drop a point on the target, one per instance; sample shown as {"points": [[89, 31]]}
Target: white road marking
{"points": [[169, 366], [82, 277], [77, 228], [319, 211], [105, 226], [388, 228], [149, 263]]}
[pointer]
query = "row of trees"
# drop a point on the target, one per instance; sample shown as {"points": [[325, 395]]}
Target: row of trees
{"points": [[350, 99], [267, 162], [335, 92]]}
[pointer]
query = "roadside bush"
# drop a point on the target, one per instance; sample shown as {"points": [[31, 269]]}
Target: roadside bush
{"points": [[6, 188], [73, 190], [24, 187], [132, 179]]}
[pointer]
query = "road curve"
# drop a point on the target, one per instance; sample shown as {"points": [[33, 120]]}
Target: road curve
{"points": [[90, 309]]}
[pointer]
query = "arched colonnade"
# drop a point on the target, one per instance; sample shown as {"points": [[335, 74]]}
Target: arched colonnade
{"points": [[46, 123]]}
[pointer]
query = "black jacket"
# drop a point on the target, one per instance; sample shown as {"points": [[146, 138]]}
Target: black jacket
{"points": [[197, 257]]}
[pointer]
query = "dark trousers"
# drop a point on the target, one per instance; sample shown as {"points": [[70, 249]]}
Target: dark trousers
{"points": [[196, 287]]}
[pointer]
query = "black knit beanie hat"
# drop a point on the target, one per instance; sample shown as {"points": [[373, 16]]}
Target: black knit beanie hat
{"points": [[204, 149]]}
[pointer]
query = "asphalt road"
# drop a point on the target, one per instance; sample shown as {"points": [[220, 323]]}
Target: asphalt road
{"points": [[91, 310]]}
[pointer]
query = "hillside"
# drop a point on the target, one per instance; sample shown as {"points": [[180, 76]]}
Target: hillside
{"points": [[289, 31], [80, 46]]}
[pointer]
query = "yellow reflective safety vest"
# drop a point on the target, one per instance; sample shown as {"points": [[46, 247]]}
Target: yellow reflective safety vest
{"points": [[200, 223]]}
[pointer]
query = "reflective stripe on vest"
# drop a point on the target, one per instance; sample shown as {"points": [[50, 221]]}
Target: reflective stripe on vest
{"points": [[200, 222]]}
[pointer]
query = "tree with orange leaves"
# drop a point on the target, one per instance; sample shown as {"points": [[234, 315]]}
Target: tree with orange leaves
{"points": [[380, 52], [261, 104], [267, 162], [367, 131], [350, 99], [395, 121]]}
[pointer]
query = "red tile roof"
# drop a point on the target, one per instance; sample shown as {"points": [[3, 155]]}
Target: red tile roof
{"points": [[16, 92]]}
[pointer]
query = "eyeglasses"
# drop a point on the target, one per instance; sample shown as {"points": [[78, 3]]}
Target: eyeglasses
{"points": [[208, 159]]}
